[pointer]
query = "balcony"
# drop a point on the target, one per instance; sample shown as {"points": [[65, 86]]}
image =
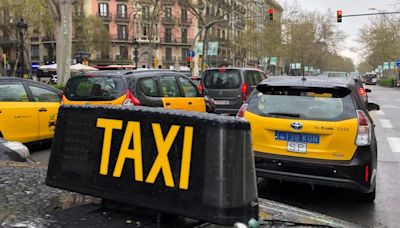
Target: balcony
{"points": [[168, 21], [105, 17], [7, 41], [185, 22], [168, 59], [121, 18], [176, 41]]}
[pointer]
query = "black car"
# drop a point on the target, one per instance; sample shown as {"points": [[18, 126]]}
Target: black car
{"points": [[230, 87]]}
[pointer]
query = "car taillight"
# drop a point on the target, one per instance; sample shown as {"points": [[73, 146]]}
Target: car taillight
{"points": [[244, 91], [62, 99], [130, 99], [200, 88], [362, 92], [364, 129], [241, 112]]}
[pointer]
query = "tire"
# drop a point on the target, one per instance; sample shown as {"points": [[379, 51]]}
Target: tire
{"points": [[368, 197]]}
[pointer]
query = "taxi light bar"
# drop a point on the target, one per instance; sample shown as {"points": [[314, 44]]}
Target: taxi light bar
{"points": [[168, 161], [364, 129]]}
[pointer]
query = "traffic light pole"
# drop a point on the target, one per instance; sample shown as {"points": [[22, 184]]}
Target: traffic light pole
{"points": [[370, 14]]}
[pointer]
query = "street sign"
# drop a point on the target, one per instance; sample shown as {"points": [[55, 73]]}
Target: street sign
{"points": [[398, 63], [191, 53]]}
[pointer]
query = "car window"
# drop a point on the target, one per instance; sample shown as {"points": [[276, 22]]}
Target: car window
{"points": [[148, 86], [249, 77], [188, 89], [169, 86], [222, 79], [94, 88], [44, 95], [13, 92], [304, 104]]}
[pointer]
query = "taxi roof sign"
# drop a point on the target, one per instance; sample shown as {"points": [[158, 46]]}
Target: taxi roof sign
{"points": [[189, 164]]}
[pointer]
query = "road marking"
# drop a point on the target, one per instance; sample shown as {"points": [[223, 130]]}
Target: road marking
{"points": [[394, 144], [386, 123], [390, 106], [380, 112]]}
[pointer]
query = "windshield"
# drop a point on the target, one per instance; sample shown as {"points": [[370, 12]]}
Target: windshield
{"points": [[302, 104], [222, 79], [94, 88]]}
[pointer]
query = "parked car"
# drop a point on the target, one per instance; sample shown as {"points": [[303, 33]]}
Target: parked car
{"points": [[316, 131], [370, 79], [13, 151], [230, 87], [28, 110], [153, 88]]}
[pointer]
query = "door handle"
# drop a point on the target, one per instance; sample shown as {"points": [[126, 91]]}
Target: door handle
{"points": [[190, 103], [167, 104], [43, 110]]}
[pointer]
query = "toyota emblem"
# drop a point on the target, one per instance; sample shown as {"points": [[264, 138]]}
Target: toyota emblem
{"points": [[296, 126]]}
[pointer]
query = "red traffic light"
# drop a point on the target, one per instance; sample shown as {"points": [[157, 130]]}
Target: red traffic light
{"points": [[339, 14], [271, 11], [271, 14], [189, 59]]}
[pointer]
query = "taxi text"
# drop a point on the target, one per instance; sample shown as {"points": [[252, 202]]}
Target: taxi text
{"points": [[161, 163]]}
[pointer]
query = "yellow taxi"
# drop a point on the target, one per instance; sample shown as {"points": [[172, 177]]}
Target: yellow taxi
{"points": [[28, 110], [313, 130], [153, 88]]}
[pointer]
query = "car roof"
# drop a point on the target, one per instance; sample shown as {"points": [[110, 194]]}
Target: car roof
{"points": [[17, 79], [310, 81], [234, 68], [128, 73]]}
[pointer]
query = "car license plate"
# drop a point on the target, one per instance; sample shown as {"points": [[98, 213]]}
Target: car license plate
{"points": [[297, 147], [221, 102], [297, 137]]}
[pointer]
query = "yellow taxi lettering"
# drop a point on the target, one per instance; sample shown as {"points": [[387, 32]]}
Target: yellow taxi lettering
{"points": [[162, 162], [109, 126], [132, 131], [186, 158]]}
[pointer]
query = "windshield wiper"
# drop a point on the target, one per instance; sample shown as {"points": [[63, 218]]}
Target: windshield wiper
{"points": [[283, 114], [275, 222]]}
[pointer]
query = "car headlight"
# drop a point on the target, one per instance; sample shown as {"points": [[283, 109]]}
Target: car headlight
{"points": [[18, 147]]}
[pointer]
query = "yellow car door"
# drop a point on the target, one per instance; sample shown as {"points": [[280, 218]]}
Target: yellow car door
{"points": [[173, 98], [195, 102], [18, 116], [46, 103]]}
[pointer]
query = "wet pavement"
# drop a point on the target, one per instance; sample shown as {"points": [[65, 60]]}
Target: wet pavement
{"points": [[25, 200]]}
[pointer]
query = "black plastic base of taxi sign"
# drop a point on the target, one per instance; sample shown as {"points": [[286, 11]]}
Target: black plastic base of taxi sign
{"points": [[190, 164]]}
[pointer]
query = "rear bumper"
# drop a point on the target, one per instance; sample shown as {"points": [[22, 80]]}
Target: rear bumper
{"points": [[349, 174]]}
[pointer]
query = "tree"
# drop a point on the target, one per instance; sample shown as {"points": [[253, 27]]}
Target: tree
{"points": [[91, 35], [61, 10], [34, 14]]}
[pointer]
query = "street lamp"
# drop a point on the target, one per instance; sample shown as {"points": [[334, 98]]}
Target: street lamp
{"points": [[22, 28], [135, 52], [81, 56]]}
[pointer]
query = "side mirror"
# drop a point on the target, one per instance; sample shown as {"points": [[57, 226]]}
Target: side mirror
{"points": [[368, 90], [373, 107]]}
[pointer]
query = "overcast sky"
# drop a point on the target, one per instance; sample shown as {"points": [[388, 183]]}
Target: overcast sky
{"points": [[350, 26]]}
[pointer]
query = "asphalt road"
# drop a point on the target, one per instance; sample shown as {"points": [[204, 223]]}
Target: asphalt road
{"points": [[385, 212]]}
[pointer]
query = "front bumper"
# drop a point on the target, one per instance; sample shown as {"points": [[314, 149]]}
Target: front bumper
{"points": [[347, 174]]}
